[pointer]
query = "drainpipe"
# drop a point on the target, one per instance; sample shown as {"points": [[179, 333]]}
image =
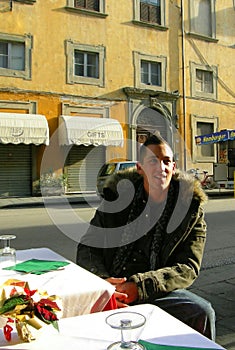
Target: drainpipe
{"points": [[184, 82]]}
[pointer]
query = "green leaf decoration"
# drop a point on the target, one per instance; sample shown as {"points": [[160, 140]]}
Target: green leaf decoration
{"points": [[55, 325], [12, 302]]}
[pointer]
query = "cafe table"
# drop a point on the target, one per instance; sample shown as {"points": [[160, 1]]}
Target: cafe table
{"points": [[91, 332], [81, 292]]}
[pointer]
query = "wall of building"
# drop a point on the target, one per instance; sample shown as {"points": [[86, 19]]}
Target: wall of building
{"points": [[51, 30]]}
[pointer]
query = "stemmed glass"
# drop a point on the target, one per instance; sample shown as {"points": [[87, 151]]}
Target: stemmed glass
{"points": [[126, 321], [7, 254]]}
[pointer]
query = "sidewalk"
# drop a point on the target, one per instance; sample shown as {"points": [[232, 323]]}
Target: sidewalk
{"points": [[16, 202], [216, 284], [13, 202]]}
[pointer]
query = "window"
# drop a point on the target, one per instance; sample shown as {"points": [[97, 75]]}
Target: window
{"points": [[12, 55], [150, 71], [202, 18], [203, 81], [88, 7], [150, 12], [203, 126], [85, 64], [87, 4], [204, 129], [15, 56]]}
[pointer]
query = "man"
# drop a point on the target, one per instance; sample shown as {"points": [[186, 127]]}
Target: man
{"points": [[147, 237]]}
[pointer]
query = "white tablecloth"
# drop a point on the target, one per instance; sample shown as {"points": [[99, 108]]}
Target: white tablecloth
{"points": [[90, 332], [81, 291]]}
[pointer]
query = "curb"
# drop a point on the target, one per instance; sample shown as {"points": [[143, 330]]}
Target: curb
{"points": [[11, 203]]}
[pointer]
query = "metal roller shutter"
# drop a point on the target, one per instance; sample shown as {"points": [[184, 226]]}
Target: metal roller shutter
{"points": [[15, 170], [82, 166]]}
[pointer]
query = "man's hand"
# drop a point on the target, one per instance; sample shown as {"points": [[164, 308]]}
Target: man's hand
{"points": [[126, 292]]}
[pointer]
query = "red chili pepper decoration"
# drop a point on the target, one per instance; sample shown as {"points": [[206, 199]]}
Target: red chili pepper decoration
{"points": [[7, 329]]}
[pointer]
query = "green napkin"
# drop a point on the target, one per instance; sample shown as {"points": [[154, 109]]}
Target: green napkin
{"points": [[151, 346], [37, 267]]}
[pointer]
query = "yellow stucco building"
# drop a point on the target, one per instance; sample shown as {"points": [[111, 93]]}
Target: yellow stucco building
{"points": [[99, 76]]}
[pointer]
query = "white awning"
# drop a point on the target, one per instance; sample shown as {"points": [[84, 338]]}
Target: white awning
{"points": [[75, 130], [23, 128]]}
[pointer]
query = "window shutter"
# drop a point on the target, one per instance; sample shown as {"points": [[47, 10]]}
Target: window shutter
{"points": [[93, 5], [144, 12], [154, 14], [150, 13], [79, 3], [88, 4]]}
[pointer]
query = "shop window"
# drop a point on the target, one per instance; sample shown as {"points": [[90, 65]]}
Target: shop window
{"points": [[15, 56], [85, 64], [202, 18], [150, 12], [231, 153], [203, 81], [150, 71]]}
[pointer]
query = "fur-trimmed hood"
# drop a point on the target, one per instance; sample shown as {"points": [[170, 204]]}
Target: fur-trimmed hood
{"points": [[189, 185]]}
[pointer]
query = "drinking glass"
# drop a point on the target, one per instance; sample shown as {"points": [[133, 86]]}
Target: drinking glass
{"points": [[7, 254], [126, 321]]}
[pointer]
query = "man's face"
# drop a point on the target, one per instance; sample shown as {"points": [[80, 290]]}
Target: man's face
{"points": [[157, 168]]}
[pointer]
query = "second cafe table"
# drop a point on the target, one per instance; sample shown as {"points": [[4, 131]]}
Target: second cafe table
{"points": [[81, 291], [91, 332]]}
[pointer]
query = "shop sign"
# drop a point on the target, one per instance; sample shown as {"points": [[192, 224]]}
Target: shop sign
{"points": [[215, 137]]}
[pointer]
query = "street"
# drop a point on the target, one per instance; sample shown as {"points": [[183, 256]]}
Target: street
{"points": [[34, 227], [59, 228], [220, 245]]}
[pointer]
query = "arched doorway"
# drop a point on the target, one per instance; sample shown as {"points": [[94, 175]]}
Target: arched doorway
{"points": [[149, 121]]}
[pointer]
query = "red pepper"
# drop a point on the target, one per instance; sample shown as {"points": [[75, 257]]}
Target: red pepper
{"points": [[7, 329]]}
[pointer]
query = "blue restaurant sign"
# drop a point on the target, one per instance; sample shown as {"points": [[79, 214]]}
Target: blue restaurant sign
{"points": [[219, 136]]}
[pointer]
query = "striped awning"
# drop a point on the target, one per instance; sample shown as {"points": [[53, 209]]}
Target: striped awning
{"points": [[18, 128], [75, 130]]}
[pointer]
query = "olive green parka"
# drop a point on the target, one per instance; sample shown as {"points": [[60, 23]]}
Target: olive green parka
{"points": [[183, 243]]}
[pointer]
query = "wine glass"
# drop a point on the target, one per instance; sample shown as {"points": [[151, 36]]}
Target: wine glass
{"points": [[126, 321], [7, 254]]}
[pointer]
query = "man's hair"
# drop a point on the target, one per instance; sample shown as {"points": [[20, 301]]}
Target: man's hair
{"points": [[153, 139]]}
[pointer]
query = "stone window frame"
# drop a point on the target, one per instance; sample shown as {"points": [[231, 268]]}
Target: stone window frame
{"points": [[71, 109], [28, 42], [30, 2], [30, 106], [200, 119], [136, 16], [70, 7], [201, 94], [75, 79], [137, 69], [192, 30]]}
